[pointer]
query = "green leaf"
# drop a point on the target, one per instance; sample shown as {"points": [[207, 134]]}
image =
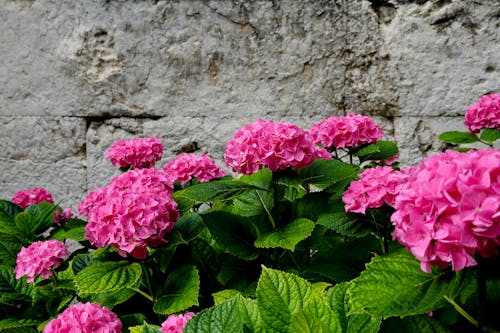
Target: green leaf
{"points": [[9, 248], [190, 226], [318, 307], [224, 295], [145, 328], [457, 137], [364, 323], [323, 173], [415, 324], [279, 296], [80, 261], [43, 214], [184, 204], [133, 320], [490, 135], [344, 224], [336, 297], [235, 234], [25, 223], [293, 188], [394, 285], [8, 211], [303, 322], [181, 291], [112, 298], [104, 277], [222, 318], [216, 190], [288, 237], [378, 151], [16, 324], [11, 288]]}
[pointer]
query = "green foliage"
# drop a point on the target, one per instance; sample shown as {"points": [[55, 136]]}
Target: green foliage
{"points": [[379, 150], [288, 237], [103, 277], [457, 137]]}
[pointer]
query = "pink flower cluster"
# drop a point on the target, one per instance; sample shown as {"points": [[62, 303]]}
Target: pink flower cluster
{"points": [[272, 144], [133, 211], [176, 323], [85, 318], [375, 187], [483, 114], [449, 210], [39, 258], [61, 217], [346, 131], [186, 166], [32, 196], [135, 153]]}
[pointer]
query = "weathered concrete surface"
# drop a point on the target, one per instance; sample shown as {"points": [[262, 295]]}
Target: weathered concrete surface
{"points": [[77, 75]]}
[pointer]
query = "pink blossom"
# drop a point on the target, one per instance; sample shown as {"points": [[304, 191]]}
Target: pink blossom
{"points": [[346, 131], [176, 323], [32, 197], [61, 217], [39, 259], [187, 166], [135, 153], [483, 114], [271, 144], [375, 187], [85, 318], [449, 210], [133, 211]]}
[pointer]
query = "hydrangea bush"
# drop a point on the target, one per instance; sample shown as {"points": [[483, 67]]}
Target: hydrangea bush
{"points": [[319, 231]]}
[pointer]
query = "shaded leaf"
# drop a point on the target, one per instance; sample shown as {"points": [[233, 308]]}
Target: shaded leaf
{"points": [[288, 237]]}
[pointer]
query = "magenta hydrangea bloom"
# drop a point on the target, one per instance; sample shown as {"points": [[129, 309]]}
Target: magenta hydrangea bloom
{"points": [[135, 153], [449, 210], [32, 196], [346, 131], [61, 217], [375, 187], [272, 144], [39, 259], [176, 323], [483, 114], [186, 166], [85, 318], [134, 211]]}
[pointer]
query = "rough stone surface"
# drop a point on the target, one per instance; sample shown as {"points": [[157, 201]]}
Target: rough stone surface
{"points": [[77, 75]]}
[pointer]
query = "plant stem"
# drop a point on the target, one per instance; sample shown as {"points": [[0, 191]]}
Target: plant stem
{"points": [[148, 282], [139, 291], [467, 316]]}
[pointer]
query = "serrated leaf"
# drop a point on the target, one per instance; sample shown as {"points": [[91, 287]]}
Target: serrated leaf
{"points": [[279, 295], [490, 135], [25, 223], [145, 328], [379, 150], [394, 285], [363, 323], [222, 318], [235, 234], [224, 295], [336, 297], [318, 307], [181, 291], [190, 226], [112, 298], [288, 237], [104, 277], [293, 188], [323, 173], [43, 215], [9, 248], [457, 137], [11, 288], [217, 190], [81, 261], [303, 322], [344, 224]]}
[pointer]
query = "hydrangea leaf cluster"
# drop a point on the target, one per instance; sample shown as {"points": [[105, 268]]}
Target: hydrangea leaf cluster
{"points": [[85, 318], [176, 323], [375, 187], [272, 144], [187, 166], [135, 153], [32, 196], [485, 113], [449, 210], [133, 211], [39, 258], [346, 131]]}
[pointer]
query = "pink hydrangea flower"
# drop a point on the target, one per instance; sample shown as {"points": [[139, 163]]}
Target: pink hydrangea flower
{"points": [[483, 114], [346, 131], [271, 144], [186, 166], [39, 259], [134, 211], [32, 196], [85, 318], [176, 323], [375, 187], [449, 211], [61, 217], [136, 153]]}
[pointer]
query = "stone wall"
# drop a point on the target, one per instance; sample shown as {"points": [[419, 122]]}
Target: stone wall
{"points": [[77, 75]]}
